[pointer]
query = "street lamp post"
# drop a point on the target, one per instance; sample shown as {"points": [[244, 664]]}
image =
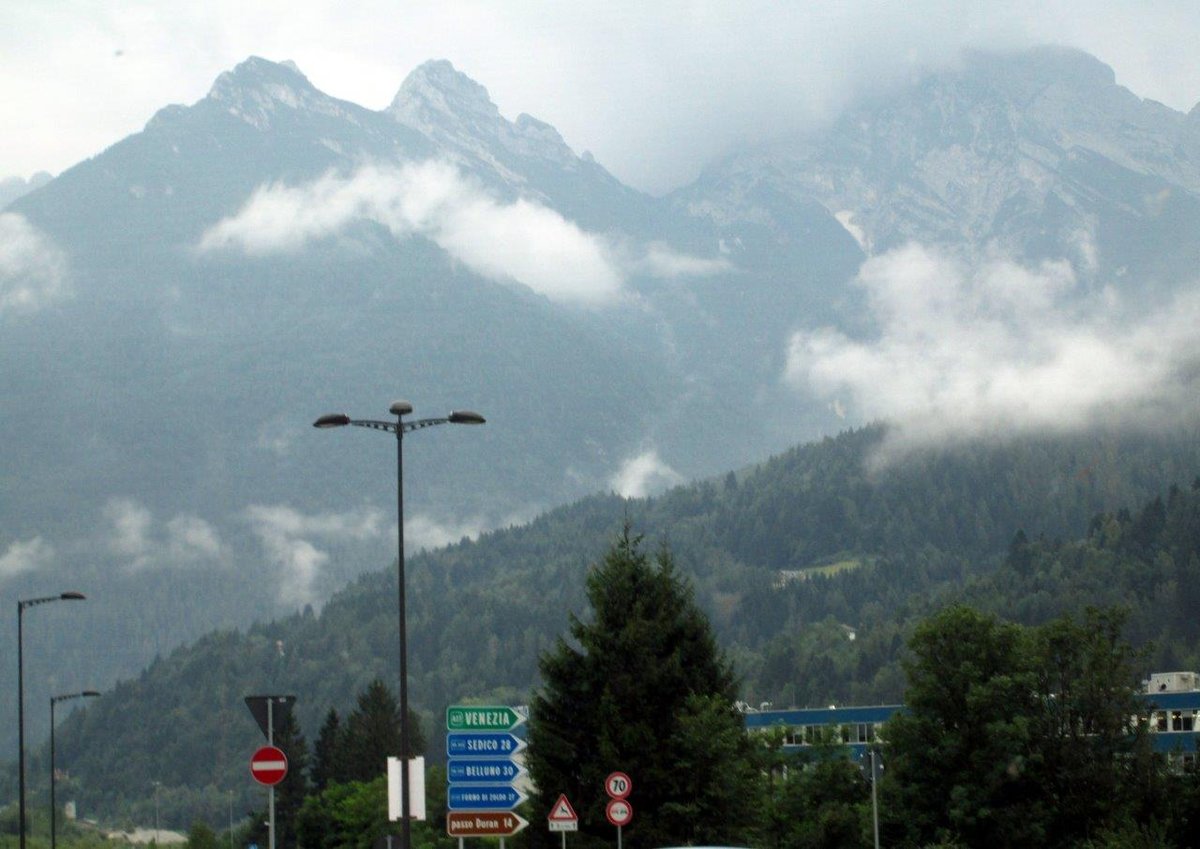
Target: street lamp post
{"points": [[400, 409], [86, 694], [157, 784], [21, 605]]}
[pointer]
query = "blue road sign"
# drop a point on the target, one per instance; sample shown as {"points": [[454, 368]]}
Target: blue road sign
{"points": [[495, 744], [482, 770], [483, 798]]}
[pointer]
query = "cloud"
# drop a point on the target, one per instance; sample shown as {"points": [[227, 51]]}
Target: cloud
{"points": [[33, 271], [284, 533], [660, 260], [183, 540], [522, 241], [26, 556], [644, 474], [969, 348], [425, 532]]}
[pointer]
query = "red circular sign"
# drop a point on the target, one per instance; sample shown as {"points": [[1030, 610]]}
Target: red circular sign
{"points": [[268, 765], [618, 785], [619, 812]]}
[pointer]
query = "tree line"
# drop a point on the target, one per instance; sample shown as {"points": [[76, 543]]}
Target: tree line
{"points": [[1012, 736]]}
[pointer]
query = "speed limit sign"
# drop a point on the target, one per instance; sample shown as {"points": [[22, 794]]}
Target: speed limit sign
{"points": [[618, 785]]}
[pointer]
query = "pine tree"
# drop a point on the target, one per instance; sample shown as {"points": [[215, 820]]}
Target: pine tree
{"points": [[641, 688], [373, 734], [329, 753]]}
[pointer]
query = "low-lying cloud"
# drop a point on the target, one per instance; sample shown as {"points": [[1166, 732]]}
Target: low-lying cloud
{"points": [[521, 241], [26, 556], [644, 475], [140, 542], [970, 348], [287, 537], [33, 270]]}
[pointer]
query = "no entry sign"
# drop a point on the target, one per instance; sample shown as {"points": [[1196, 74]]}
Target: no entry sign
{"points": [[268, 765]]}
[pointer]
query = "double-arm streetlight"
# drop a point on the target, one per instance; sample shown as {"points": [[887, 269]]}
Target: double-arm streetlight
{"points": [[400, 409], [85, 694], [21, 605]]}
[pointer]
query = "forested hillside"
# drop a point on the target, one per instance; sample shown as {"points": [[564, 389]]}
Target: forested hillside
{"points": [[787, 558]]}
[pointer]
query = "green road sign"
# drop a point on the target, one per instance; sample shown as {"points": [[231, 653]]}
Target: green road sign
{"points": [[482, 718]]}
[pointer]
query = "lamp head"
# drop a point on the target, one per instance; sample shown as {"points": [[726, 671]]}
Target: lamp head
{"points": [[72, 596], [332, 420], [465, 417], [400, 408]]}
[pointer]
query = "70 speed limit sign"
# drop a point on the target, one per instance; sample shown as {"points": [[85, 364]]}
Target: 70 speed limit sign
{"points": [[618, 785]]}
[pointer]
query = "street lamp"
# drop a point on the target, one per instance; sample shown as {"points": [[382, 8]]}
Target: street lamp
{"points": [[86, 694], [21, 605], [400, 409], [157, 784]]}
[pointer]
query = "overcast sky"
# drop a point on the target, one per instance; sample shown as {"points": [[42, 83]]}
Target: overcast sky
{"points": [[654, 90]]}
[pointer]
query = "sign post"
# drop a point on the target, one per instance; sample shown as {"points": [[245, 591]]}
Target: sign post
{"points": [[263, 708], [563, 818], [482, 767], [619, 811]]}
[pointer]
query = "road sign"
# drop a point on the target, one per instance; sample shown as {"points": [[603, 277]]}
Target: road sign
{"points": [[259, 710], [482, 770], [482, 718], [483, 824], [618, 785], [483, 744], [268, 765], [619, 812], [499, 797], [562, 816]]}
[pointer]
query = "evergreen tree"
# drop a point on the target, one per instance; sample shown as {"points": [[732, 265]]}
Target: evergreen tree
{"points": [[373, 734], [329, 752], [642, 688]]}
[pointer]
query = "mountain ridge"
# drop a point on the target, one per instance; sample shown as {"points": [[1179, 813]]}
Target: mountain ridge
{"points": [[200, 370]]}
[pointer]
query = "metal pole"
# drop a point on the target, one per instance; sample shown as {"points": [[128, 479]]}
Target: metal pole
{"points": [[875, 795], [230, 819], [53, 809], [21, 711], [405, 804], [271, 789], [157, 838]]}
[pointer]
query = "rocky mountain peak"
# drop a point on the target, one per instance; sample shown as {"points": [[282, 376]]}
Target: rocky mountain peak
{"points": [[457, 113], [256, 89], [436, 91]]}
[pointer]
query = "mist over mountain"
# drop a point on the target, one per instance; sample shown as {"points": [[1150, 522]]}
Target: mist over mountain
{"points": [[1006, 248]]}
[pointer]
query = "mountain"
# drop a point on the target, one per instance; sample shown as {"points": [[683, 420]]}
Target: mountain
{"points": [[12, 188], [182, 306], [781, 557]]}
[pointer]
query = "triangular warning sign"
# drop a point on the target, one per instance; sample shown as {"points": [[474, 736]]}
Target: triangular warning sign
{"points": [[562, 810]]}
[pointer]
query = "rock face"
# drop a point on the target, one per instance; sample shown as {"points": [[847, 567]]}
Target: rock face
{"points": [[1040, 151]]}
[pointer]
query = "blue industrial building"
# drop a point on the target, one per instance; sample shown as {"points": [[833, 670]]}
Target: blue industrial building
{"points": [[1171, 700]]}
